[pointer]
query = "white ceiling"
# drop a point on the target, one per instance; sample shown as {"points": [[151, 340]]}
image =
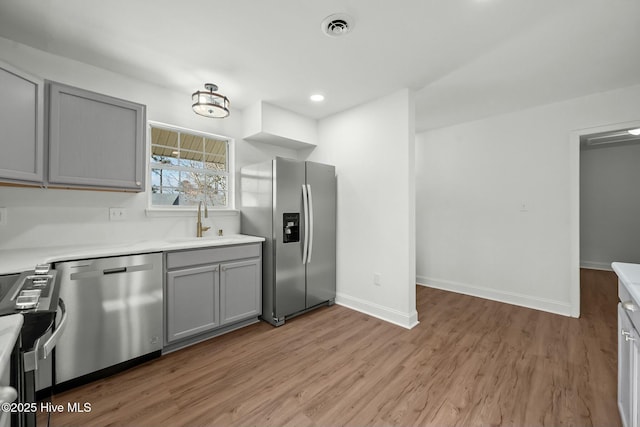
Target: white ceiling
{"points": [[466, 59]]}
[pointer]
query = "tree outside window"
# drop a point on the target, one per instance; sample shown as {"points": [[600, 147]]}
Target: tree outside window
{"points": [[188, 168]]}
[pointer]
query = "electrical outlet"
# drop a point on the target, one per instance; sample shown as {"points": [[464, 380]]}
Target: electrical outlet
{"points": [[377, 279], [117, 214], [3, 216], [525, 207]]}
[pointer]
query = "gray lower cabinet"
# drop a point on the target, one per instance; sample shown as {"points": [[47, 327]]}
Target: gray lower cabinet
{"points": [[21, 125], [628, 371], [192, 301], [211, 290], [95, 141], [240, 290], [628, 357]]}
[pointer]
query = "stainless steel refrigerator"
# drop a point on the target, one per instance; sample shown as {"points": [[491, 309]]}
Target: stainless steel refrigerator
{"points": [[292, 204]]}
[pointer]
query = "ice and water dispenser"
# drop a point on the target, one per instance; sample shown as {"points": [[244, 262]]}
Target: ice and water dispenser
{"points": [[291, 227]]}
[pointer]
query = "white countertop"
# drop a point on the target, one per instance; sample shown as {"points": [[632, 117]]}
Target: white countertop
{"points": [[9, 331], [19, 260], [629, 275]]}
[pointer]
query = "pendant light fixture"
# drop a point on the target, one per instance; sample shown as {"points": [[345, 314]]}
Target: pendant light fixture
{"points": [[209, 103]]}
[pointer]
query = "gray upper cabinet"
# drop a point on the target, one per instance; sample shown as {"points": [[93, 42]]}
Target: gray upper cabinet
{"points": [[95, 140], [21, 122]]}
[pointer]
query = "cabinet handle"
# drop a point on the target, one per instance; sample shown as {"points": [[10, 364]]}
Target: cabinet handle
{"points": [[629, 306], [627, 335]]}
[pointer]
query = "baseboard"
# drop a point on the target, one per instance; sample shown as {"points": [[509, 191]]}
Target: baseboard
{"points": [[406, 320], [596, 265], [543, 304]]}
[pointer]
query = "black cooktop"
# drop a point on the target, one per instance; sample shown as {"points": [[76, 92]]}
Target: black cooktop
{"points": [[33, 294], [29, 292]]}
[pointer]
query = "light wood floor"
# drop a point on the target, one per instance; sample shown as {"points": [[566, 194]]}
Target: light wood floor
{"points": [[470, 362]]}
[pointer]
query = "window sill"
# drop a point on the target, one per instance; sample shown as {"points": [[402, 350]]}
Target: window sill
{"points": [[188, 212]]}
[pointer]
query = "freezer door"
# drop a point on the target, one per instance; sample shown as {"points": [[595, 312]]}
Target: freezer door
{"points": [[321, 262], [289, 284]]}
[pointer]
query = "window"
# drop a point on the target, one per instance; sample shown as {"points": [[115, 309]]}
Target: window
{"points": [[187, 167]]}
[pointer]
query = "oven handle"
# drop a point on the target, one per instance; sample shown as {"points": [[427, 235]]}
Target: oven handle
{"points": [[48, 346], [42, 352]]}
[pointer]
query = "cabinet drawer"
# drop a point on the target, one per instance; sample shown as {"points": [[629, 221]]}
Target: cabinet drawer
{"points": [[191, 257], [625, 296]]}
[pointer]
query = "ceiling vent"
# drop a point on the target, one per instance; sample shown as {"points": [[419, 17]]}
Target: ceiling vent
{"points": [[337, 25]]}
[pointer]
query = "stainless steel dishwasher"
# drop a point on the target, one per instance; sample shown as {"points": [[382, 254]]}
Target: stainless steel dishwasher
{"points": [[114, 308]]}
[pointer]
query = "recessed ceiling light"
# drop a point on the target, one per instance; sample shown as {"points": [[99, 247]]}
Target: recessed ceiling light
{"points": [[634, 131], [317, 97]]}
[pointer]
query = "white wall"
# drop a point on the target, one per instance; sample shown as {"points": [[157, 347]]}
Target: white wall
{"points": [[51, 217], [372, 147], [497, 201], [609, 205]]}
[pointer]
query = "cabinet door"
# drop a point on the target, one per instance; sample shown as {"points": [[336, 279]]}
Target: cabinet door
{"points": [[95, 140], [627, 370], [192, 301], [240, 290], [21, 124]]}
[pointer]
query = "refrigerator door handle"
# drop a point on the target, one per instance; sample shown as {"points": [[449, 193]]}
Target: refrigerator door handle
{"points": [[310, 223], [305, 244]]}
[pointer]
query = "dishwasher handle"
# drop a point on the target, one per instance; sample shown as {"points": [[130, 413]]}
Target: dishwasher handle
{"points": [[99, 272], [114, 270]]}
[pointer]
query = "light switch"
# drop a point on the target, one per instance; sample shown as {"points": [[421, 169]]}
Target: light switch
{"points": [[3, 216]]}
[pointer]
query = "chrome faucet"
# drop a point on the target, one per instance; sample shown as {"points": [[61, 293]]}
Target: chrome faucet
{"points": [[199, 227]]}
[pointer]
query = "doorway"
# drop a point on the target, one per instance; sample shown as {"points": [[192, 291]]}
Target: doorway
{"points": [[605, 199]]}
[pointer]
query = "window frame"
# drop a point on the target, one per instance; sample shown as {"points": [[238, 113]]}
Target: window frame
{"points": [[230, 208]]}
